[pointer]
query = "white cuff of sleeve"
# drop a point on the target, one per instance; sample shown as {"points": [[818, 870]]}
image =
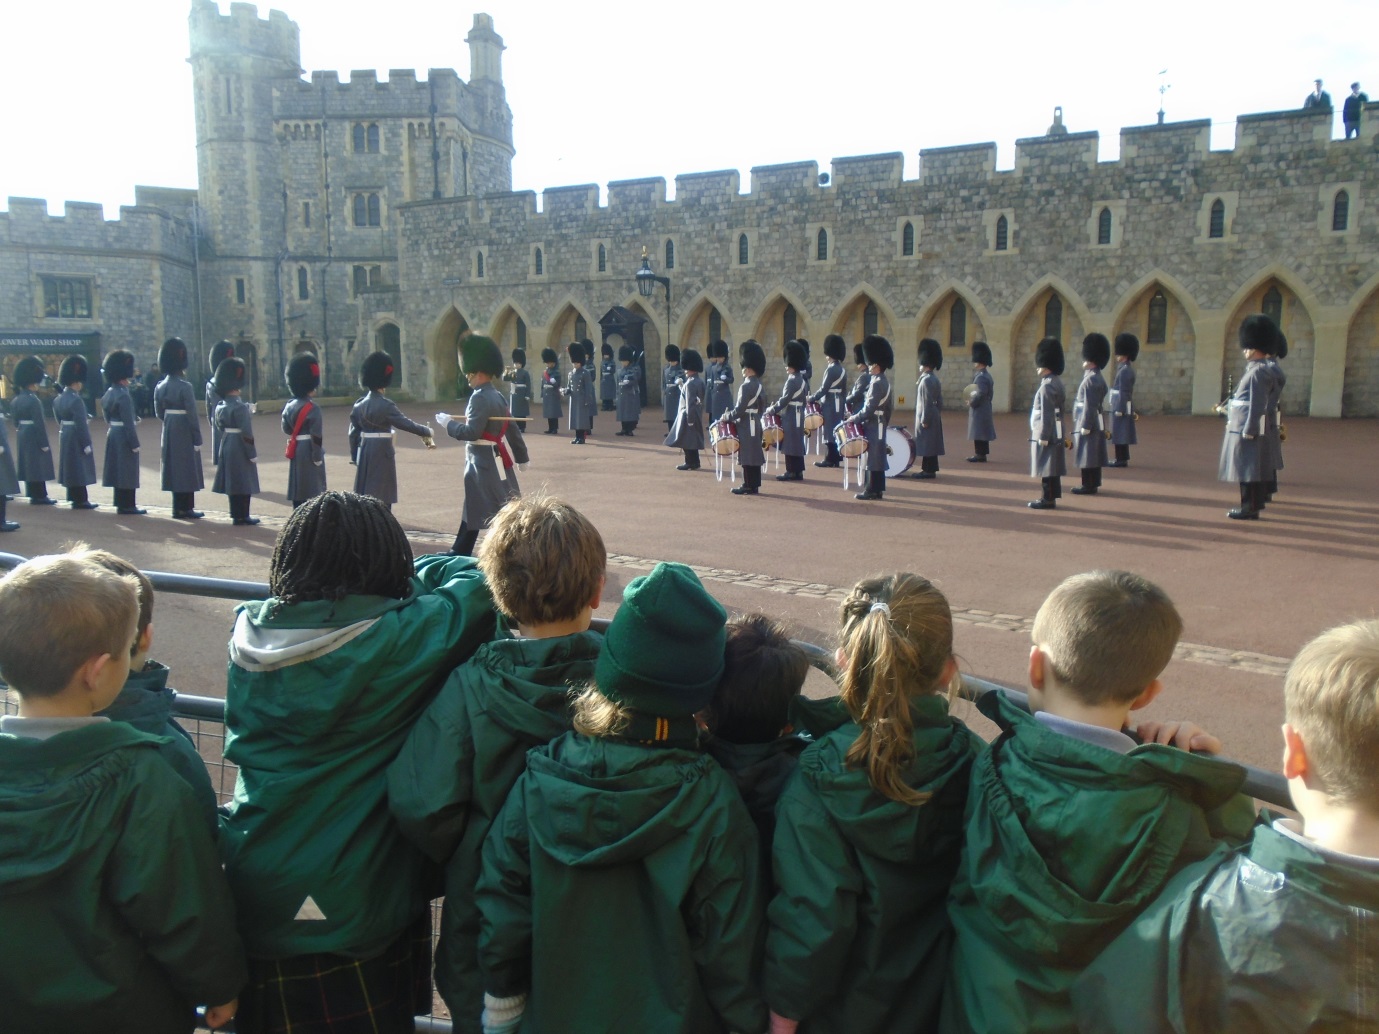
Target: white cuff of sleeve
{"points": [[504, 1010]]}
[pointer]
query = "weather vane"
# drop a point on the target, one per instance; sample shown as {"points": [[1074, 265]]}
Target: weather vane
{"points": [[1163, 89]]}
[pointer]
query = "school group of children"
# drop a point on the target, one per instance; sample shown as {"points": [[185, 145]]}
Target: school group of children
{"points": [[652, 829]]}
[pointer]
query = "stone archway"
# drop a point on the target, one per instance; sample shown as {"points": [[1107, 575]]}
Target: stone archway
{"points": [[443, 380], [1274, 297], [1360, 395], [706, 322], [1049, 313], [1168, 349]]}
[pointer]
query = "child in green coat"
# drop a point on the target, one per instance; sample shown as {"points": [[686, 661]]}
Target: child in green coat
{"points": [[544, 562], [869, 830], [620, 887]]}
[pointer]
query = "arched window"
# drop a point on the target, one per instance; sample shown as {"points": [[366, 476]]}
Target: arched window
{"points": [[581, 328], [478, 265], [670, 254], [375, 211], [957, 324], [1272, 305], [522, 331], [1103, 227], [789, 323], [870, 319], [538, 262], [715, 325], [1340, 211], [373, 137], [361, 278], [822, 252], [358, 138], [603, 259], [742, 255], [1053, 317], [361, 211], [303, 284], [1002, 234], [1156, 333], [1217, 225], [907, 240]]}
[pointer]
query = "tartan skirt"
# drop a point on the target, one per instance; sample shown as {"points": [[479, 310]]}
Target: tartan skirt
{"points": [[336, 994]]}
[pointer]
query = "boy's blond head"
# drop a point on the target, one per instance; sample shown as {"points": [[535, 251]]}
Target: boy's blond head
{"points": [[1331, 697], [544, 560], [1107, 635], [119, 565], [57, 612]]}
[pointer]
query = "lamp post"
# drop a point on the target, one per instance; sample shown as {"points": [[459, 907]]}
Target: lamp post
{"points": [[646, 287]]}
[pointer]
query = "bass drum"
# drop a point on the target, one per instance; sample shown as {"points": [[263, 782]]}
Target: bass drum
{"points": [[900, 451]]}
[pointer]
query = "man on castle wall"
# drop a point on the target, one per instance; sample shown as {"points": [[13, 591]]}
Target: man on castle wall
{"points": [[1350, 110], [1318, 98]]}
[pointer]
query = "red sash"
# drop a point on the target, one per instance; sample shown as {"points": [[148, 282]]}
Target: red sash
{"points": [[497, 438], [291, 451]]}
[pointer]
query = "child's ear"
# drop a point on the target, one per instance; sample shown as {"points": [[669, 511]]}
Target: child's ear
{"points": [[1295, 762], [145, 639], [1036, 667], [840, 659], [1147, 696], [598, 596], [91, 671]]}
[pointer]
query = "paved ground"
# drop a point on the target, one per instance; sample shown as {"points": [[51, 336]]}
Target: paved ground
{"points": [[1251, 594]]}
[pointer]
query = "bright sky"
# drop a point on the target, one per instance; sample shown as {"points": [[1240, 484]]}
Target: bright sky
{"points": [[98, 94]]}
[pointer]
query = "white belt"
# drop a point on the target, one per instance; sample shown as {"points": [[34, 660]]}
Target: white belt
{"points": [[794, 403], [67, 423], [302, 438], [376, 434], [835, 391], [25, 423], [232, 430], [174, 412], [115, 423]]}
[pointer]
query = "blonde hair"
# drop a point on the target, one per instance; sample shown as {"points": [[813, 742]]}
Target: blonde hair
{"points": [[119, 565], [544, 560], [594, 714], [57, 612], [1331, 696], [897, 636], [1107, 635]]}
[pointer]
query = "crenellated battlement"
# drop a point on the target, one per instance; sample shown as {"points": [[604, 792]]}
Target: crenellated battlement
{"points": [[243, 32], [140, 228], [364, 95]]}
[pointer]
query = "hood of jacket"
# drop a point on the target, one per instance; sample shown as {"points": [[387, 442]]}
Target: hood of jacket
{"points": [[521, 681], [145, 702]]}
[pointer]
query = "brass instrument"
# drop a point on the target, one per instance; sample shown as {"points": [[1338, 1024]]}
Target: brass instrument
{"points": [[1282, 431], [1222, 408]]}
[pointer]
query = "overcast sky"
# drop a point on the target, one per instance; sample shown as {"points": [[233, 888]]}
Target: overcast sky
{"points": [[97, 95]]}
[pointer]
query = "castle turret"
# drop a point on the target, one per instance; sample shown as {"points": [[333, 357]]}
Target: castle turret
{"points": [[490, 159]]}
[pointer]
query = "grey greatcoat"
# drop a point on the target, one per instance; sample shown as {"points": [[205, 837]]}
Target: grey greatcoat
{"points": [[34, 457], [492, 448], [629, 394], [1123, 406], [981, 427], [237, 473], [790, 406], [76, 466], [121, 469], [718, 381], [608, 380], [213, 400], [306, 471], [688, 430], [751, 398], [550, 392], [1245, 449], [928, 416], [858, 394], [832, 390], [372, 421], [520, 397], [672, 376], [9, 481], [874, 416], [174, 403], [1089, 422], [1046, 430], [1274, 417], [581, 412], [591, 394]]}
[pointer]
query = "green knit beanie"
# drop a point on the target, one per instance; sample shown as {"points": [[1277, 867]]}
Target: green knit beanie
{"points": [[663, 652]]}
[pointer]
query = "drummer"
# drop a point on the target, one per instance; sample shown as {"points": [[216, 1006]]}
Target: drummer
{"points": [[790, 408], [859, 387], [747, 414], [830, 396]]}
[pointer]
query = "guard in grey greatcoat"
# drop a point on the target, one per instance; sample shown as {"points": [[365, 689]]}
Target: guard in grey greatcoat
{"points": [[688, 430], [929, 409], [874, 414], [550, 390], [1275, 415], [807, 369], [9, 480], [671, 378], [121, 468], [33, 455], [237, 474], [830, 396], [372, 423], [493, 446], [302, 423], [1089, 420], [608, 379], [591, 388], [858, 393], [577, 391], [629, 391], [1047, 446], [751, 401], [519, 399], [981, 427], [1245, 448], [76, 466], [174, 403], [790, 408], [1123, 399], [718, 381], [221, 351]]}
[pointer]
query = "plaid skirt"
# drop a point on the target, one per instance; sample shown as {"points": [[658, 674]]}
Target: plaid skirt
{"points": [[335, 994]]}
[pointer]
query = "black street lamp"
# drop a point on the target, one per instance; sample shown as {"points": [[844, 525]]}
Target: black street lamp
{"points": [[646, 287]]}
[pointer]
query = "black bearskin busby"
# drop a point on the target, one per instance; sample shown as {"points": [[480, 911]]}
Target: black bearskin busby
{"points": [[1096, 349], [548, 356], [303, 374], [607, 350], [1128, 345], [835, 347], [519, 357], [575, 351], [28, 372], [1281, 346], [1048, 355], [981, 353], [858, 356], [72, 371], [376, 371], [804, 343], [625, 354], [672, 354], [588, 350], [752, 357], [692, 361], [877, 351], [118, 366], [930, 353], [479, 354], [229, 376], [172, 357], [794, 355], [220, 351], [719, 349], [1258, 333]]}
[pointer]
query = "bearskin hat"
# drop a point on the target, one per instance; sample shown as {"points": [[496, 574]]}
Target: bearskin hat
{"points": [[72, 371], [835, 347], [479, 354], [118, 366], [229, 376], [877, 351], [1258, 333], [303, 374], [692, 361], [981, 353], [172, 357], [220, 351], [1096, 349], [1048, 355], [930, 353], [548, 356], [519, 357], [377, 370], [672, 354], [588, 350], [625, 354], [794, 355], [575, 351], [607, 350], [804, 343], [721, 349], [858, 355], [29, 371], [1128, 345], [752, 356], [1281, 346]]}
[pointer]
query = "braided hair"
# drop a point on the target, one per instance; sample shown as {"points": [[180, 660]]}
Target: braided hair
{"points": [[340, 544]]}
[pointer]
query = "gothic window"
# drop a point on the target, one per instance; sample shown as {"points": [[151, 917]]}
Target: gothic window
{"points": [[742, 254], [522, 331], [790, 323], [303, 284], [1340, 211], [373, 137], [603, 259], [306, 214], [715, 325], [1002, 234], [375, 275], [670, 254], [581, 328], [375, 211], [240, 293], [538, 262], [361, 279], [358, 136], [229, 95], [1156, 333], [870, 319], [1103, 227], [68, 298], [1053, 317], [478, 265], [957, 324], [367, 210], [822, 252], [1272, 306], [907, 240], [1217, 226]]}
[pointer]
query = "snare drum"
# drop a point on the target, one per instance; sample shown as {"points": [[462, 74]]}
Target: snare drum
{"points": [[723, 438], [771, 433], [850, 439], [813, 416], [900, 451]]}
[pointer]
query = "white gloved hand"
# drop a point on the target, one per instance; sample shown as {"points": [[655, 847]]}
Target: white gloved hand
{"points": [[134, 450], [197, 448], [1043, 443], [443, 419], [1084, 430], [86, 450], [43, 449], [253, 459]]}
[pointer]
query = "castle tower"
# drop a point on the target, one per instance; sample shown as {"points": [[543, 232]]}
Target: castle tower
{"points": [[490, 161]]}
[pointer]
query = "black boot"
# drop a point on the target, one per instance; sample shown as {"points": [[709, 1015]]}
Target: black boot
{"points": [[125, 504], [464, 541], [79, 500], [1053, 488], [239, 510], [37, 491], [4, 524], [184, 506]]}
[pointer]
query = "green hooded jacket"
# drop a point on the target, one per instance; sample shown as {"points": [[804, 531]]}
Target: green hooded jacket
{"points": [[454, 772], [114, 914], [321, 696], [858, 935], [1066, 843], [620, 889], [1275, 939]]}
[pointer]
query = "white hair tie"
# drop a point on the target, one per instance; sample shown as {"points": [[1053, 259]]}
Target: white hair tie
{"points": [[884, 608]]}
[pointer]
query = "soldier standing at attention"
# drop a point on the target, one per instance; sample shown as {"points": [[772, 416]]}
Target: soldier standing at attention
{"points": [[306, 468], [121, 469], [519, 401], [830, 396], [174, 403], [790, 407], [372, 422], [671, 378], [237, 475], [629, 392], [1245, 448], [608, 379], [1089, 423], [219, 353], [719, 381], [874, 414], [1123, 399], [591, 389], [688, 430], [751, 398], [34, 456], [1047, 461], [550, 390], [9, 481], [981, 427], [929, 410], [581, 413], [76, 461]]}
